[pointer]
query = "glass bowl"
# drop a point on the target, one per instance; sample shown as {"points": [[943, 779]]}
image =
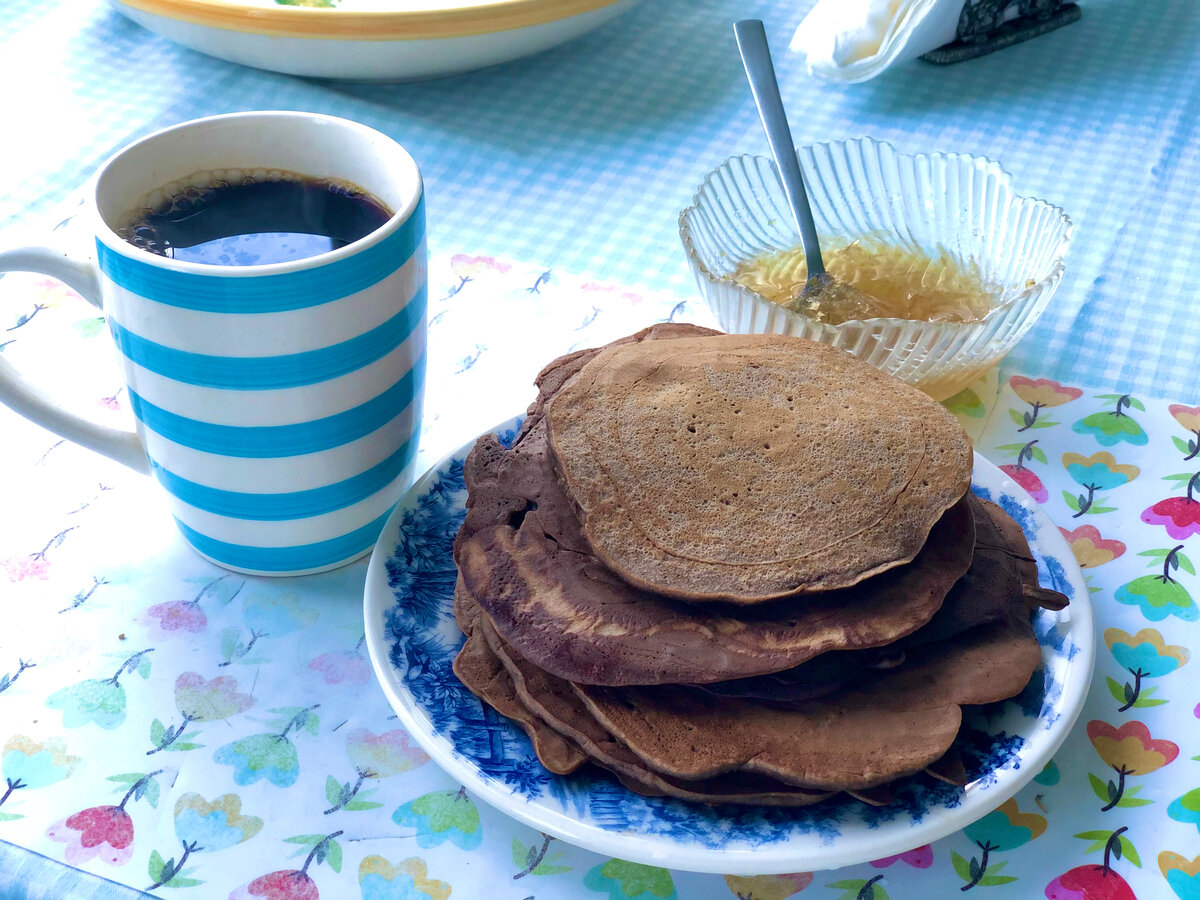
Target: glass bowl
{"points": [[962, 205]]}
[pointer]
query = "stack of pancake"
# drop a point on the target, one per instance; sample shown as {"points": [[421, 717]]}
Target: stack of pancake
{"points": [[739, 569]]}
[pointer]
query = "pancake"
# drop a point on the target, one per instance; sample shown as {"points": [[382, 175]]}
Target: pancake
{"points": [[558, 372], [604, 605], [1001, 582], [503, 482], [744, 468], [568, 614], [479, 669], [895, 724], [552, 701], [557, 705]]}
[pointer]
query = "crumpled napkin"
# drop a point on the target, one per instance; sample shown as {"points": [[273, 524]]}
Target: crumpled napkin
{"points": [[854, 40]]}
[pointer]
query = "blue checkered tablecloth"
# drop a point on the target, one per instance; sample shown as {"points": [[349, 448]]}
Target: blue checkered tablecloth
{"points": [[582, 157]]}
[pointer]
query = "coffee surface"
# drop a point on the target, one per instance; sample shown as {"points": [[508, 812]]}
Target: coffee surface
{"points": [[253, 222]]}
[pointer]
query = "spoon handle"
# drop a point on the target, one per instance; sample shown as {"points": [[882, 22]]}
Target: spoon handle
{"points": [[756, 57]]}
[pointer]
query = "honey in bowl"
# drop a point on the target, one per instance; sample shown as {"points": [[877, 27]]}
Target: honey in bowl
{"points": [[887, 282]]}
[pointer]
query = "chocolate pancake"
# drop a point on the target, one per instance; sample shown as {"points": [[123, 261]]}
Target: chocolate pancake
{"points": [[552, 701], [567, 613], [555, 702], [1002, 581], [749, 467], [895, 724], [480, 670], [504, 482]]}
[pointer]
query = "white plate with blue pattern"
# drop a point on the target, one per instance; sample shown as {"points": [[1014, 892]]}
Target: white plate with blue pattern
{"points": [[413, 640]]}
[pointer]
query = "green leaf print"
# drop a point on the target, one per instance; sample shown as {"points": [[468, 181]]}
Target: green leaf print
{"points": [[1127, 849], [307, 840], [961, 866], [860, 889], [89, 327], [989, 880], [1187, 447], [1124, 693], [535, 860], [156, 865], [1100, 789], [1027, 420], [334, 857], [1098, 839]]}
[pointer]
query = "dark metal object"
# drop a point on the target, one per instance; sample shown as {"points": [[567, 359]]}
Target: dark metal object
{"points": [[982, 28]]}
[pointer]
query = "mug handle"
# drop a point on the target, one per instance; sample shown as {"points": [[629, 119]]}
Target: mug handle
{"points": [[22, 397]]}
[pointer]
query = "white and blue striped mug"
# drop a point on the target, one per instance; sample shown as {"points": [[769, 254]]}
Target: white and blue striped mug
{"points": [[279, 405]]}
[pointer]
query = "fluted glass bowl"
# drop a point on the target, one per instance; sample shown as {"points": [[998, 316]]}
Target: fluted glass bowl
{"points": [[962, 205]]}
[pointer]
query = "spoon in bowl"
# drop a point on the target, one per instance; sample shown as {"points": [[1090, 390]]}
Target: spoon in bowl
{"points": [[826, 297]]}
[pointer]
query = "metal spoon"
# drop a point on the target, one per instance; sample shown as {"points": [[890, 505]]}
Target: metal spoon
{"points": [[821, 289]]}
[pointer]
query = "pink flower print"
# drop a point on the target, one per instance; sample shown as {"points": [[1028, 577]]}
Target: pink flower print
{"points": [[18, 568], [288, 884], [186, 615], [296, 884], [1028, 479], [103, 832], [179, 615], [1179, 515], [344, 666], [383, 755], [1022, 474], [919, 858]]}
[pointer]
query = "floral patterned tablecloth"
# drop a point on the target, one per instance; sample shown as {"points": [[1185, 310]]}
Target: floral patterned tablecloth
{"points": [[192, 732]]}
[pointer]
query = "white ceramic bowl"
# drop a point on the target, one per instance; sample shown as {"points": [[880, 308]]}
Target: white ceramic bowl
{"points": [[963, 205], [370, 40]]}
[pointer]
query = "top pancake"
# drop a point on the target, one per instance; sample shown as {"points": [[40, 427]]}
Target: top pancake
{"points": [[749, 467]]}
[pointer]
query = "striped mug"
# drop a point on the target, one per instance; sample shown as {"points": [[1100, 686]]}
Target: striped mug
{"points": [[279, 405]]}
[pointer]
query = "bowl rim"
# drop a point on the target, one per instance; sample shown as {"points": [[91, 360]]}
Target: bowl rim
{"points": [[944, 157]]}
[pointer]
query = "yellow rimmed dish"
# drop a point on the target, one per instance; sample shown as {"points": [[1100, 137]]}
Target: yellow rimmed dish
{"points": [[370, 40]]}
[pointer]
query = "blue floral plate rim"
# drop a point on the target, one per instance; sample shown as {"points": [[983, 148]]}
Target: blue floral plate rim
{"points": [[411, 638]]}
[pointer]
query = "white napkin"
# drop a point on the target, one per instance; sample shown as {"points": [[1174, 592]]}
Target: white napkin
{"points": [[854, 40]]}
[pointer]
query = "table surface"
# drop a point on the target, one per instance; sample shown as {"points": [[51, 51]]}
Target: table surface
{"points": [[554, 185]]}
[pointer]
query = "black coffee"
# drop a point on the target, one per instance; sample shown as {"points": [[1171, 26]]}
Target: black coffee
{"points": [[252, 222]]}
